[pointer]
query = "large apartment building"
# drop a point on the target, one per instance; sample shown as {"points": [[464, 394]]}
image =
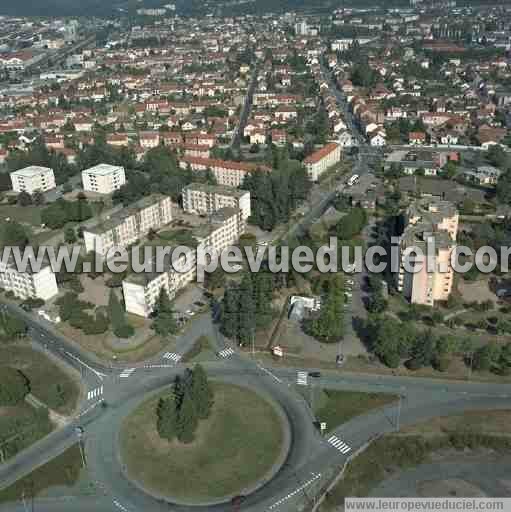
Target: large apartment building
{"points": [[226, 172], [128, 225], [428, 224], [141, 291], [322, 159], [33, 178], [25, 285], [103, 178], [206, 199]]}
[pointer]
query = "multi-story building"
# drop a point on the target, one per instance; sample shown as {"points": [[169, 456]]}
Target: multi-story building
{"points": [[227, 173], [141, 291], [33, 178], [206, 199], [431, 228], [103, 178], [128, 225], [25, 285], [321, 160]]}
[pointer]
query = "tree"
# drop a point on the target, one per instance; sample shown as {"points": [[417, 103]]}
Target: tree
{"points": [[165, 321], [167, 418], [13, 326], [117, 317], [328, 326], [201, 392], [38, 198], [487, 357], [70, 236], [13, 234], [187, 420], [24, 199], [14, 386]]}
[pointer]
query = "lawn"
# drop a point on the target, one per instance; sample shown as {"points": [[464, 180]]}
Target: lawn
{"points": [[25, 214], [21, 426], [337, 407], [415, 445], [64, 470], [235, 448], [200, 352], [48, 381]]}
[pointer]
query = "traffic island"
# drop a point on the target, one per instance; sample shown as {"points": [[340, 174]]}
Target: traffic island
{"points": [[237, 448]]}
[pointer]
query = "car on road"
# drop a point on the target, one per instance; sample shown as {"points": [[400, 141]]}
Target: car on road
{"points": [[315, 375]]}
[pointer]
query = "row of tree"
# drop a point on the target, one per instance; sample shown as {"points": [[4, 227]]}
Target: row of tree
{"points": [[246, 307], [191, 400]]}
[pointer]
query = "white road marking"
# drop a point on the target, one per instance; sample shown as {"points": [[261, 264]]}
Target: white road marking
{"points": [[94, 393], [99, 375], [338, 444], [301, 378], [260, 366], [172, 356], [226, 352], [120, 506], [126, 373], [296, 491]]}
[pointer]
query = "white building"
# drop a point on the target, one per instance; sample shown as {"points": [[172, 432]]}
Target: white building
{"points": [[103, 178], [206, 199], [321, 160], [33, 178], [141, 291], [36, 285], [127, 226]]}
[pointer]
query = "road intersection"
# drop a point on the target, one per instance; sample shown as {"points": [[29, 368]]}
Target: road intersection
{"points": [[310, 454]]}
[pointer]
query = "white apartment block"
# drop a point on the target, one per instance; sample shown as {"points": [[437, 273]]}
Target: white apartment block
{"points": [[141, 291], [25, 285], [127, 226], [321, 160], [206, 199], [227, 173], [428, 223], [103, 178], [33, 178]]}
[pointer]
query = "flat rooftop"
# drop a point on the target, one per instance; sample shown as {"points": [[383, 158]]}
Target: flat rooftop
{"points": [[31, 171], [103, 169], [216, 189]]}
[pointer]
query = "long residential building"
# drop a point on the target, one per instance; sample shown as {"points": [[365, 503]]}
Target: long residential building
{"points": [[33, 178], [127, 226], [206, 199], [141, 291], [103, 178], [25, 285], [226, 172], [322, 159], [431, 227]]}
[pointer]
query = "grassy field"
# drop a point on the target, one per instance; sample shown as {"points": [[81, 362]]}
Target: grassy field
{"points": [[415, 445], [337, 407], [26, 214], [200, 352], [48, 381], [21, 426], [64, 470], [234, 448]]}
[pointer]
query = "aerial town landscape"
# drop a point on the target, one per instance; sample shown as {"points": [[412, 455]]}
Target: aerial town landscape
{"points": [[320, 192]]}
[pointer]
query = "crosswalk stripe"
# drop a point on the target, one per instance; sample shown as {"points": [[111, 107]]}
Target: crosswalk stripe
{"points": [[93, 393], [226, 352], [127, 372], [338, 444], [172, 356]]}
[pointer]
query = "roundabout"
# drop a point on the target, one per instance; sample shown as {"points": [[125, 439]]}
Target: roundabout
{"points": [[241, 444]]}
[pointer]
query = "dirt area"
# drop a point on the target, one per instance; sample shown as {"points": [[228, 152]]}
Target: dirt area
{"points": [[477, 291], [95, 290]]}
